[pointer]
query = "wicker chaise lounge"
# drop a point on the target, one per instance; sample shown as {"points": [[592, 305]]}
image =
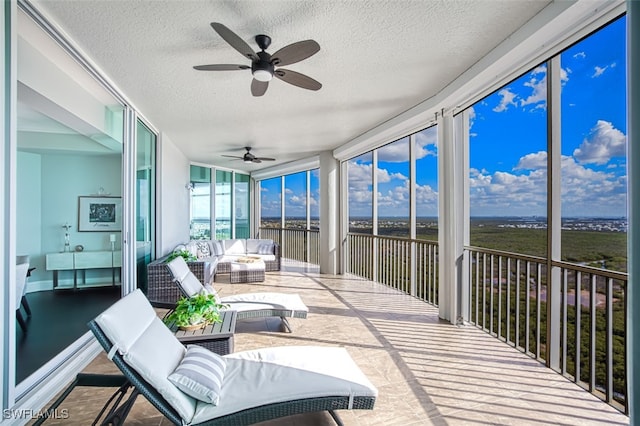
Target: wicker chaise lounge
{"points": [[248, 305], [254, 386]]}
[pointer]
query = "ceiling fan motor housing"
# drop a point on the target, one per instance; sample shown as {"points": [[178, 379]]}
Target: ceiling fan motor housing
{"points": [[263, 67]]}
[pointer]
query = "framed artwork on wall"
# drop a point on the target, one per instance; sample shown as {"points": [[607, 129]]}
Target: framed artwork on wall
{"points": [[99, 214]]}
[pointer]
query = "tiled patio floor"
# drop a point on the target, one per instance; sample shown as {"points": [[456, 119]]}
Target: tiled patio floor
{"points": [[427, 371]]}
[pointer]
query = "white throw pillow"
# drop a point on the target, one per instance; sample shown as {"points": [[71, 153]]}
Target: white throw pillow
{"points": [[265, 248], [203, 250], [217, 248], [200, 374]]}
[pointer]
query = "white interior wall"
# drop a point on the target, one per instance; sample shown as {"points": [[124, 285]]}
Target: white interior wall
{"points": [[47, 197], [172, 196]]}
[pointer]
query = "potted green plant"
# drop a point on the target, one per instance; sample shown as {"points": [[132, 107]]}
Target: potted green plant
{"points": [[186, 254], [195, 312]]}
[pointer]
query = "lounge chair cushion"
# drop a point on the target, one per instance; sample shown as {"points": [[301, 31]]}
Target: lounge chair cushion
{"points": [[188, 282], [200, 374], [139, 345], [253, 301], [271, 375]]}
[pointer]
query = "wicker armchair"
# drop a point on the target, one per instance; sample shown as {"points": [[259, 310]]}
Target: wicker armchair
{"points": [[160, 287]]}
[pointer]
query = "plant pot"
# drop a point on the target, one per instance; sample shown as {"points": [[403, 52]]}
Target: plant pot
{"points": [[192, 327]]}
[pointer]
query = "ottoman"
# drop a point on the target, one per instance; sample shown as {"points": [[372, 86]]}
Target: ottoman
{"points": [[247, 272]]}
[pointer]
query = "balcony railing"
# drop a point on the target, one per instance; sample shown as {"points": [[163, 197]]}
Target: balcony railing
{"points": [[407, 265], [508, 299], [297, 244]]}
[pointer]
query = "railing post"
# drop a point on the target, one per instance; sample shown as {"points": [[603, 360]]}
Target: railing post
{"points": [[412, 268], [554, 213]]}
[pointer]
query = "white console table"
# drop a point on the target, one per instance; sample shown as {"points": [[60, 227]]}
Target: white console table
{"points": [[83, 260]]}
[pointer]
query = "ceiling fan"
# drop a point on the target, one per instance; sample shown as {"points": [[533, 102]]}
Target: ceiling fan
{"points": [[248, 157], [265, 66]]}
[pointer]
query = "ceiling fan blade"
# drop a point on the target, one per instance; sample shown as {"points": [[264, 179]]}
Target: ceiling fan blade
{"points": [[258, 88], [265, 159], [256, 160], [221, 67], [233, 156], [295, 52], [234, 40], [297, 79]]}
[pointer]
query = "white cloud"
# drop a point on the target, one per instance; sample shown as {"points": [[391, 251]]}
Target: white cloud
{"points": [[588, 190], [398, 152], [580, 55], [538, 84], [583, 189], [427, 142], [395, 152], [507, 98], [394, 201], [519, 195], [533, 161], [360, 175], [472, 117], [603, 143], [598, 71]]}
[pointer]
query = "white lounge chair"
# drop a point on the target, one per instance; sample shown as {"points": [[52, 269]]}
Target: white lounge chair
{"points": [[250, 387], [248, 305]]}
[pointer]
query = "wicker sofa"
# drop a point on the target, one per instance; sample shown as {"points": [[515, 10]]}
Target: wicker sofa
{"points": [[214, 257], [222, 253]]}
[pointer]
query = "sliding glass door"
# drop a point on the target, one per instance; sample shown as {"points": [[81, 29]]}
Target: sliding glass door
{"points": [[145, 201]]}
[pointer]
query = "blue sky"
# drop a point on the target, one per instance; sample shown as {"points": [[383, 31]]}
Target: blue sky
{"points": [[508, 147], [295, 195], [508, 136]]}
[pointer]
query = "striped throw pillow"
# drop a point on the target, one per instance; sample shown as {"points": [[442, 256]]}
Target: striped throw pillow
{"points": [[265, 248], [200, 374]]}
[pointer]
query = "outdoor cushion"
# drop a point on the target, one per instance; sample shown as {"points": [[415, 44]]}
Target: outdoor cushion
{"points": [[250, 301], [271, 375], [253, 245], [258, 385], [137, 333], [200, 374], [265, 248], [181, 272], [203, 249], [217, 248], [234, 247]]}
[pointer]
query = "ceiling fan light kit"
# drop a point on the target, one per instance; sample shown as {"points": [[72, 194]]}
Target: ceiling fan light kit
{"points": [[263, 65]]}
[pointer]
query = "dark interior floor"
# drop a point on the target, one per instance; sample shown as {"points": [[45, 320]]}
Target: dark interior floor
{"points": [[57, 320]]}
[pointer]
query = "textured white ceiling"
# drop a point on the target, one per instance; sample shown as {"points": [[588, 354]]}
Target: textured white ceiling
{"points": [[377, 59]]}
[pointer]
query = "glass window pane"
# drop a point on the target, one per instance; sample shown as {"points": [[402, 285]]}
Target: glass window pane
{"points": [[360, 196], [314, 190], [393, 189], [270, 202], [508, 167], [594, 142], [426, 150], [145, 201], [295, 200], [69, 145], [242, 206], [223, 204], [200, 227]]}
